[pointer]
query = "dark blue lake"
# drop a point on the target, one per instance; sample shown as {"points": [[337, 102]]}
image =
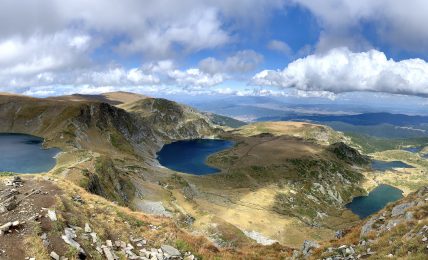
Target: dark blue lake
{"points": [[190, 156], [376, 200], [21, 153], [415, 149], [383, 165]]}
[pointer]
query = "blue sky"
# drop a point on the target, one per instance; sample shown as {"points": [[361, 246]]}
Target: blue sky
{"points": [[332, 49]]}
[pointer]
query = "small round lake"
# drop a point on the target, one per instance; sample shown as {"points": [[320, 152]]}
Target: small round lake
{"points": [[414, 149], [384, 165], [24, 154], [189, 156], [377, 199]]}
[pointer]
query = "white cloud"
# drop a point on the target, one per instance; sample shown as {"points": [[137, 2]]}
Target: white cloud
{"points": [[155, 28], [341, 70], [93, 79], [279, 46], [22, 56], [397, 23], [195, 78], [241, 62]]}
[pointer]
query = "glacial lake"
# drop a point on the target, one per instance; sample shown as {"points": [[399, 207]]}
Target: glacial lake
{"points": [[384, 165], [24, 154], [376, 200], [415, 149], [189, 156]]}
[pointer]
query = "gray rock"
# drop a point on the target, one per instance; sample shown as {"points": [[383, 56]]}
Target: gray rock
{"points": [[172, 251], [408, 216], [109, 243], [69, 237], [400, 209], [9, 194], [52, 215], [4, 228], [54, 255], [339, 234], [108, 253], [308, 245], [10, 203], [392, 223], [94, 237], [366, 228], [87, 228]]}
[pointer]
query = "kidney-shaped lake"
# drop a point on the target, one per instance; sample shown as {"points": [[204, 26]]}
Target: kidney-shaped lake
{"points": [[189, 156], [21, 153], [376, 200]]}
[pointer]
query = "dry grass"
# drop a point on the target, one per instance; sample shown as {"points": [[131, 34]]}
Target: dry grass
{"points": [[118, 223], [33, 243]]}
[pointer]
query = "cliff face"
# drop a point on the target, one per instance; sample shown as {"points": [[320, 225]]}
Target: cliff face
{"points": [[170, 120]]}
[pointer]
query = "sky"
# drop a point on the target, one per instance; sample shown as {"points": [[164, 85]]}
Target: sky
{"points": [[331, 49]]}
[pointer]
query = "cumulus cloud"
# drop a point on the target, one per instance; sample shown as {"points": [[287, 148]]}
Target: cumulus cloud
{"points": [[97, 79], [241, 62], [21, 56], [155, 28], [341, 70], [56, 44], [397, 23], [195, 78]]}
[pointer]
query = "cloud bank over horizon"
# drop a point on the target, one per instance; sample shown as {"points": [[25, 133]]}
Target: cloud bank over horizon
{"points": [[341, 71], [246, 47]]}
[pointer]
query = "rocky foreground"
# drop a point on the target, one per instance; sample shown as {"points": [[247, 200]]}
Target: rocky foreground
{"points": [[31, 212], [400, 231], [47, 218]]}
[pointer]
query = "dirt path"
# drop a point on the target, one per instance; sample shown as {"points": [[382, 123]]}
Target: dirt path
{"points": [[33, 196]]}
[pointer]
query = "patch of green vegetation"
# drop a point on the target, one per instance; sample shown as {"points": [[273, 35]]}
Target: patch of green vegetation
{"points": [[183, 246], [225, 121], [118, 141], [5, 174], [371, 144], [110, 182], [131, 220]]}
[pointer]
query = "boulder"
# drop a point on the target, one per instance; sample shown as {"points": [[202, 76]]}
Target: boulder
{"points": [[87, 228], [400, 209], [69, 237], [54, 255], [10, 203], [108, 254], [308, 245], [52, 215], [4, 228], [10, 193], [366, 228], [94, 237], [171, 251]]}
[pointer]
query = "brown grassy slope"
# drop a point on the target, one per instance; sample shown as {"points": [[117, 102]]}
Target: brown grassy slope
{"points": [[312, 132], [109, 222], [112, 98]]}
